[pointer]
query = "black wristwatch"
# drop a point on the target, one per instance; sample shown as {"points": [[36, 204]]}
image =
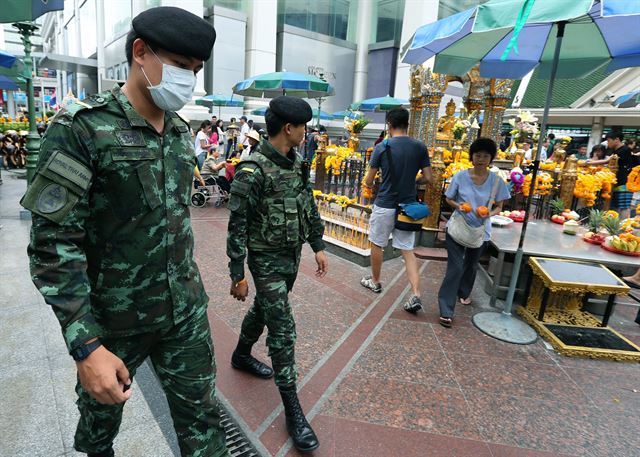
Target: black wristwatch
{"points": [[82, 352]]}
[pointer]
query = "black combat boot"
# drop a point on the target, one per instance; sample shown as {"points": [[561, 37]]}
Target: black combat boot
{"points": [[303, 436], [243, 360], [106, 453]]}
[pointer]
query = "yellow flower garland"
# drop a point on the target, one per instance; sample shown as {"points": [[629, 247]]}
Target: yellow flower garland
{"points": [[633, 181]]}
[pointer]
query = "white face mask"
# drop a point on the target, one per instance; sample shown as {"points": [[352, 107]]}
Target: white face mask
{"points": [[175, 89]]}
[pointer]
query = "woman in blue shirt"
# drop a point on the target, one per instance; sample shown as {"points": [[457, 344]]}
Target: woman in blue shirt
{"points": [[472, 186]]}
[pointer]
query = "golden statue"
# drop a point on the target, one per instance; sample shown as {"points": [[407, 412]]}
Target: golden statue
{"points": [[444, 129]]}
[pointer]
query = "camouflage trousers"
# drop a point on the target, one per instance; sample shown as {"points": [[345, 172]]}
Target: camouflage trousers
{"points": [[183, 359], [274, 274]]}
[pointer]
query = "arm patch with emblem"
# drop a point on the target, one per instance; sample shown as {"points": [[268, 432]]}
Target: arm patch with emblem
{"points": [[57, 187]]}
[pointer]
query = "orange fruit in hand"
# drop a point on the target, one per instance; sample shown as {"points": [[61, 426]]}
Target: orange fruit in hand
{"points": [[465, 207], [482, 211]]}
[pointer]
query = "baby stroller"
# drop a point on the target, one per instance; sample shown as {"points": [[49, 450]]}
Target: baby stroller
{"points": [[210, 191]]}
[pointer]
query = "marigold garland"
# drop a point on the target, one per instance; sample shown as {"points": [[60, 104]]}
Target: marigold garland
{"points": [[543, 186], [633, 181], [455, 167]]}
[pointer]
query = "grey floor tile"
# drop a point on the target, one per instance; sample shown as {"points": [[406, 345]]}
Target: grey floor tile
{"points": [[28, 415], [21, 336], [146, 438], [52, 333]]}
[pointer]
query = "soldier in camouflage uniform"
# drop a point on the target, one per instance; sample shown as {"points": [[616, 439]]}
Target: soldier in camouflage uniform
{"points": [[273, 213], [111, 243]]}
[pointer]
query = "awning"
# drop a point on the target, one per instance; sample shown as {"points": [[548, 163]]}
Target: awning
{"points": [[69, 63]]}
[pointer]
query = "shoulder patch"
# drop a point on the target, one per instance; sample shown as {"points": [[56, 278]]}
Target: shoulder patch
{"points": [[52, 198], [70, 169], [248, 169], [66, 114]]}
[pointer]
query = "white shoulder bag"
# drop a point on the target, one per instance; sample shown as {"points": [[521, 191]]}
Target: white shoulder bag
{"points": [[462, 232]]}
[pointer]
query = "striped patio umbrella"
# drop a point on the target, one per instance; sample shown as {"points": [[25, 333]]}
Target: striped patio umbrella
{"points": [[7, 60], [629, 100], [219, 100], [271, 85], [379, 104], [346, 113]]}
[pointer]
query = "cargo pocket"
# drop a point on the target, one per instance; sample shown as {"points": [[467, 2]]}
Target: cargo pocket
{"points": [[130, 182], [292, 221]]}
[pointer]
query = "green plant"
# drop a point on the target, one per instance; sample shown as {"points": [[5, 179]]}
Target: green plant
{"points": [[612, 225], [557, 206], [595, 221]]}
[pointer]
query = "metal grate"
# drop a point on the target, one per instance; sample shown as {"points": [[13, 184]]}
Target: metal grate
{"points": [[237, 442]]}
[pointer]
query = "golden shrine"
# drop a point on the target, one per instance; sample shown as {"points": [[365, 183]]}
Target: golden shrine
{"points": [[344, 203]]}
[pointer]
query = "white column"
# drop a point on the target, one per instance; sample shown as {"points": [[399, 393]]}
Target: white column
{"points": [[78, 48], [260, 42], [597, 128], [365, 8], [416, 14], [196, 7], [100, 42]]}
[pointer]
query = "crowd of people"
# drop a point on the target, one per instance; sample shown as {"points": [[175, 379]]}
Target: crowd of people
{"points": [[13, 149]]}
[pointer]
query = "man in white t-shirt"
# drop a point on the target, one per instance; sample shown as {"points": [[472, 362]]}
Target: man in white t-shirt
{"points": [[244, 129]]}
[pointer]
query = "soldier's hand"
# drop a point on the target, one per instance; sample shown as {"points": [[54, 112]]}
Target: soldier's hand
{"points": [[240, 290], [323, 264], [104, 376]]}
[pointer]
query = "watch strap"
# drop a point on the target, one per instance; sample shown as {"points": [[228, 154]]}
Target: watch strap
{"points": [[83, 351]]}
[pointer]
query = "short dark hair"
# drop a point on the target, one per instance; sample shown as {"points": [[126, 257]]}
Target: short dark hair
{"points": [[398, 118], [483, 145], [128, 46], [205, 124], [582, 146], [552, 136], [615, 134], [243, 118], [274, 122]]}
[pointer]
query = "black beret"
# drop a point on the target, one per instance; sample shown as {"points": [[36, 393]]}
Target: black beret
{"points": [[176, 30], [291, 109]]}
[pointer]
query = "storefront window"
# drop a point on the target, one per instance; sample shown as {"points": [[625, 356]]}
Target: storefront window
{"points": [[117, 18], [328, 17], [388, 21], [236, 5], [88, 28]]}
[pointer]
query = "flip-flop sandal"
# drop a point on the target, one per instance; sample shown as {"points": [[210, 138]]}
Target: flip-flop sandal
{"points": [[446, 322], [466, 301], [631, 284]]}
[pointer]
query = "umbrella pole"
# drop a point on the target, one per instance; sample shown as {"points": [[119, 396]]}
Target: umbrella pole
{"points": [[504, 326]]}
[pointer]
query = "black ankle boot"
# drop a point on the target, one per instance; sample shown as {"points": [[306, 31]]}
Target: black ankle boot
{"points": [[106, 453], [243, 360], [303, 436]]}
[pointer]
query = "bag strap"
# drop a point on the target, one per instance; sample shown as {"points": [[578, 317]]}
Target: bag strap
{"points": [[387, 150], [494, 191]]}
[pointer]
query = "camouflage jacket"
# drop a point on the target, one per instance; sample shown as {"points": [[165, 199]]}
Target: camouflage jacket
{"points": [[272, 208], [111, 243]]}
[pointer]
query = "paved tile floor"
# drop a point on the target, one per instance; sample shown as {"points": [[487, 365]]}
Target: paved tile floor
{"points": [[374, 380]]}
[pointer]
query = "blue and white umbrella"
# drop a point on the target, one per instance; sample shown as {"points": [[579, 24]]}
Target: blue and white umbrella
{"points": [[509, 38], [629, 100], [559, 38], [7, 60]]}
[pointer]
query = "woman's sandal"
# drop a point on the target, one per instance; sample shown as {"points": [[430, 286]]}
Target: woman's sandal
{"points": [[446, 322], [466, 301]]}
